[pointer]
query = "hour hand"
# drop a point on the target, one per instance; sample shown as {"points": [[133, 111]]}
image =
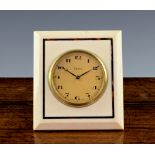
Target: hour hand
{"points": [[69, 72]]}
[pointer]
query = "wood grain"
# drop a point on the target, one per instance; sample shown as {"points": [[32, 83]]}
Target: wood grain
{"points": [[139, 90], [16, 127], [136, 90], [16, 116], [16, 89]]}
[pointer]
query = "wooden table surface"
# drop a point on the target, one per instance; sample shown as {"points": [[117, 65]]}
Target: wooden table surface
{"points": [[16, 116]]}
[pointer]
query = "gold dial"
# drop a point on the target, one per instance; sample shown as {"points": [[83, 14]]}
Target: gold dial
{"points": [[77, 78]]}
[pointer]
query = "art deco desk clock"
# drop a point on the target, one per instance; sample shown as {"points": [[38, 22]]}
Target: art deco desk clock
{"points": [[78, 83]]}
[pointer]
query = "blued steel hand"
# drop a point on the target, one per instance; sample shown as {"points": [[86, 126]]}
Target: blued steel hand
{"points": [[69, 72], [78, 76], [86, 72]]}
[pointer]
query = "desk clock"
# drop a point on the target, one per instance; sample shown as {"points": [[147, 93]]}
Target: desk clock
{"points": [[78, 82]]}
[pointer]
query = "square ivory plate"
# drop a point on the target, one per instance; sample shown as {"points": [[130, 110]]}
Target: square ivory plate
{"points": [[49, 113]]}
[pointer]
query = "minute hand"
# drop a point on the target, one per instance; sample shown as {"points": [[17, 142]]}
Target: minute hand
{"points": [[87, 72]]}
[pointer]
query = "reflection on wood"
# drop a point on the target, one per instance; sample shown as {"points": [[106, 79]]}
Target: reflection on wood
{"points": [[16, 116]]}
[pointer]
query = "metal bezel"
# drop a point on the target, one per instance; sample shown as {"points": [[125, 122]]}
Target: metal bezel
{"points": [[56, 93]]}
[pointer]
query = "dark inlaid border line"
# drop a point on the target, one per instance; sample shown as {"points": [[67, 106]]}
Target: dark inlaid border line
{"points": [[79, 117], [112, 75], [43, 78]]}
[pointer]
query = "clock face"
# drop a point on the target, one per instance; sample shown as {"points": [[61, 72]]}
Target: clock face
{"points": [[77, 78]]}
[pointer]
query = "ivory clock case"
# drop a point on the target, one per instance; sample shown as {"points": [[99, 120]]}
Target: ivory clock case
{"points": [[49, 113]]}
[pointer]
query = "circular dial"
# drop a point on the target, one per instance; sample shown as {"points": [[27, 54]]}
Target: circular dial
{"points": [[77, 78]]}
